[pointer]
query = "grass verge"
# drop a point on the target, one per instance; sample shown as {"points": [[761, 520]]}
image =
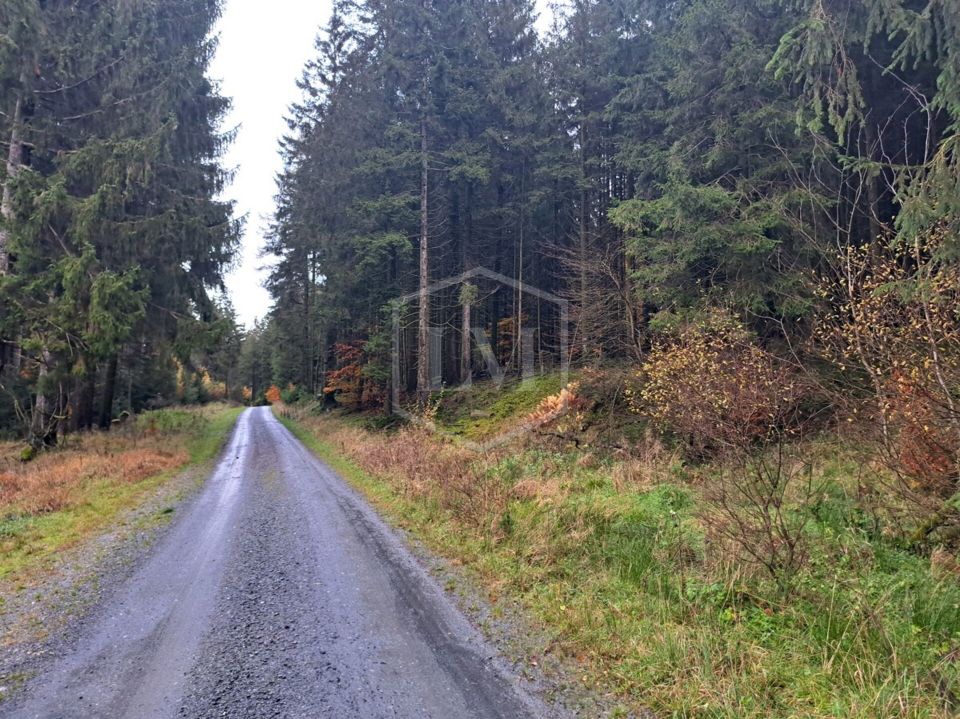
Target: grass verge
{"points": [[79, 490], [615, 560]]}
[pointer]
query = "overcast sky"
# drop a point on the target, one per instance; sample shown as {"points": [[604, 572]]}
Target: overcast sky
{"points": [[263, 48]]}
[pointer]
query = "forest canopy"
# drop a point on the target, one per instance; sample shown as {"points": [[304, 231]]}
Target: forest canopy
{"points": [[648, 162]]}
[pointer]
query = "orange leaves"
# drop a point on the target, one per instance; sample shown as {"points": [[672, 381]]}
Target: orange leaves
{"points": [[346, 382], [551, 407], [894, 331], [926, 447], [273, 395]]}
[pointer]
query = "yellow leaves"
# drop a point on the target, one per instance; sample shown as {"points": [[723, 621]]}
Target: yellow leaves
{"points": [[716, 387]]}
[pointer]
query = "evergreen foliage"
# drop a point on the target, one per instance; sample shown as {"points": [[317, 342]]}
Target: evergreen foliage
{"points": [[112, 233], [646, 161]]}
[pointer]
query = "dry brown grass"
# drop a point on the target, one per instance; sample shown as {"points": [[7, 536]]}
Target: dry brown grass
{"points": [[646, 465], [418, 466], [57, 479]]}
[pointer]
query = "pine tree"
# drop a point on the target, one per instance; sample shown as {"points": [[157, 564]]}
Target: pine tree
{"points": [[114, 215]]}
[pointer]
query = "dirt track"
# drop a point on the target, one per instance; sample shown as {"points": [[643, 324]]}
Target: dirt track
{"points": [[277, 593]]}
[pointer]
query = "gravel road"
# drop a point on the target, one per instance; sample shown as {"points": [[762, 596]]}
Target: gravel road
{"points": [[278, 593]]}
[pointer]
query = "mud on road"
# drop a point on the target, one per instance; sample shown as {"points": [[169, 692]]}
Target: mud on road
{"points": [[278, 593]]}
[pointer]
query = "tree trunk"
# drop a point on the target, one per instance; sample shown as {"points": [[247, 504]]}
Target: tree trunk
{"points": [[10, 351], [109, 389], [306, 359], [518, 325], [466, 356], [14, 162], [83, 407], [43, 427], [582, 240], [466, 368], [423, 326]]}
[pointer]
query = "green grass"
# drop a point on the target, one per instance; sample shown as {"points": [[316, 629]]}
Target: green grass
{"points": [[31, 542], [484, 409], [630, 586]]}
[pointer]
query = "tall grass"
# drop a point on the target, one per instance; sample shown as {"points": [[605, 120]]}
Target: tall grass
{"points": [[615, 558]]}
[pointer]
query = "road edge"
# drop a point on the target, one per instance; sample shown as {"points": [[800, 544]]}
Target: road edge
{"points": [[41, 621], [522, 642]]}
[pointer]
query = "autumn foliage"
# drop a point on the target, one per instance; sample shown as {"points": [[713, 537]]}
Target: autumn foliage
{"points": [[347, 383], [894, 333], [713, 387], [273, 395]]}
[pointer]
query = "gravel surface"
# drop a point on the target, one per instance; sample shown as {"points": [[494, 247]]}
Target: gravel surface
{"points": [[278, 593]]}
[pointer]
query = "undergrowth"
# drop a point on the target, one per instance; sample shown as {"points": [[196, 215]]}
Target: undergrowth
{"points": [[70, 493], [479, 412], [618, 558]]}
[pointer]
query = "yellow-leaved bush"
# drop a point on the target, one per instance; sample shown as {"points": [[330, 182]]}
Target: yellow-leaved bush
{"points": [[714, 387], [894, 333]]}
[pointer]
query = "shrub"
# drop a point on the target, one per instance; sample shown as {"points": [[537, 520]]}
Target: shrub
{"points": [[759, 501], [273, 395], [714, 388], [893, 333], [729, 399], [293, 394], [345, 383]]}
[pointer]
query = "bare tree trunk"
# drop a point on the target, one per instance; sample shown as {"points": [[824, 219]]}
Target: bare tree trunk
{"points": [[582, 248], [43, 423], [423, 327], [9, 351], [466, 321], [14, 162], [83, 407], [518, 335], [466, 368], [873, 197], [306, 359]]}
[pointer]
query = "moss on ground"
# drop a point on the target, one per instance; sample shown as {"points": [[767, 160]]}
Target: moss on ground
{"points": [[484, 410]]}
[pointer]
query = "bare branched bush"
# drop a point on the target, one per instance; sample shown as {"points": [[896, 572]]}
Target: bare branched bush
{"points": [[893, 332], [758, 501]]}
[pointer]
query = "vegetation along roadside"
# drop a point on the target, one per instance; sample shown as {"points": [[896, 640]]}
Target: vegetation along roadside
{"points": [[66, 496], [645, 575]]}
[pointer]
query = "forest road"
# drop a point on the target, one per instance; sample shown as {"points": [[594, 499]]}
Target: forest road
{"points": [[278, 592]]}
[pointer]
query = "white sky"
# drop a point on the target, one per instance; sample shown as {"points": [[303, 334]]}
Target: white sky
{"points": [[261, 54]]}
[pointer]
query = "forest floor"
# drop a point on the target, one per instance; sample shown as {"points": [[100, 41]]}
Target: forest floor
{"points": [[605, 538]]}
